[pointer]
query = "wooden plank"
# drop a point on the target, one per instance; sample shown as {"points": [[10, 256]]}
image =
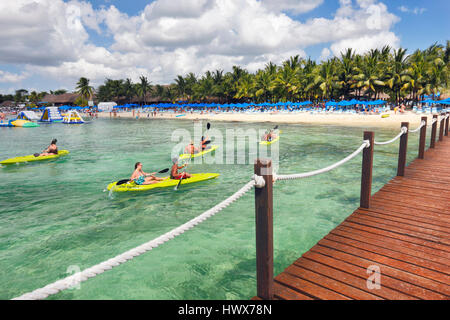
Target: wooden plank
{"points": [[397, 245], [358, 281], [438, 248], [398, 255], [285, 293], [330, 283], [445, 231], [308, 288], [381, 205], [388, 270], [399, 264], [412, 216], [391, 288], [400, 230]]}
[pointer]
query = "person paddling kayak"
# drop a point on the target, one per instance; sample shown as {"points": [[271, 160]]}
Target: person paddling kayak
{"points": [[51, 150], [191, 149], [269, 136], [142, 178], [204, 143], [174, 172]]}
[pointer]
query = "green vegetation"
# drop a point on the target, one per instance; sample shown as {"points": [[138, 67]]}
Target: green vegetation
{"points": [[376, 74]]}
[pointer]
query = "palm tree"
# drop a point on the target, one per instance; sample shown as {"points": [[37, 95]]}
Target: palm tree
{"points": [[159, 91], [346, 69], [326, 79], [397, 72], [245, 88], [368, 74], [180, 86], [264, 86], [84, 89], [143, 88], [129, 89]]}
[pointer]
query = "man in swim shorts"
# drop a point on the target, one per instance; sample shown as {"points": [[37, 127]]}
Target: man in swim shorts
{"points": [[142, 178], [174, 172]]}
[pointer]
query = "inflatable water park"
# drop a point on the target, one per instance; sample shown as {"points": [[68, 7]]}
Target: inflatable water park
{"points": [[73, 117], [51, 114]]}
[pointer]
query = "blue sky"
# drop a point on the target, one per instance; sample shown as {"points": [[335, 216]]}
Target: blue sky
{"points": [[54, 42]]}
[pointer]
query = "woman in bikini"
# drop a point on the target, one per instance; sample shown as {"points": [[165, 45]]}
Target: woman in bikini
{"points": [[142, 178]]}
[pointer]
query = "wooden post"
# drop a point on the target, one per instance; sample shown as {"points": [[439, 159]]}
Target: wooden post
{"points": [[366, 174], [433, 132], [264, 231], [402, 151], [446, 124], [441, 128], [423, 134]]}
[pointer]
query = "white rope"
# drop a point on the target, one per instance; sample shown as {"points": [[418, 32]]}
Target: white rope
{"points": [[365, 144], [434, 120], [420, 127], [402, 131], [79, 277]]}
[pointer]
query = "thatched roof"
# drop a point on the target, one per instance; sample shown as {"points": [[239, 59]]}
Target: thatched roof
{"points": [[65, 98], [7, 104]]}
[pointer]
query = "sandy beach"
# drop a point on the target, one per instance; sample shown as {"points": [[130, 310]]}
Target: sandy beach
{"points": [[350, 120]]}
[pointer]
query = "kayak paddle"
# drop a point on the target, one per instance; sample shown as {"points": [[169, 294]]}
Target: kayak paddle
{"points": [[127, 180], [208, 126]]}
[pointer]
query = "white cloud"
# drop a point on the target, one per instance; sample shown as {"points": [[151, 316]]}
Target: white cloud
{"points": [[7, 77], [294, 6], [365, 43], [415, 10], [167, 38], [325, 54]]}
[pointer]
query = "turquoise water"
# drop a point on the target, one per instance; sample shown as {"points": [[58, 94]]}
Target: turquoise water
{"points": [[55, 215]]}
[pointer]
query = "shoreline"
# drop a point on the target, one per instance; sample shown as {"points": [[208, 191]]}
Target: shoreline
{"points": [[346, 120]]}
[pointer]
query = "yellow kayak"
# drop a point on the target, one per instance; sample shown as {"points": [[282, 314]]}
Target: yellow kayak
{"points": [[385, 115], [195, 155], [266, 143], [131, 186], [32, 158]]}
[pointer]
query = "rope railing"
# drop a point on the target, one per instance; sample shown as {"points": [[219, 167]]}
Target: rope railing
{"points": [[256, 181], [91, 272], [418, 129], [364, 145], [402, 132]]}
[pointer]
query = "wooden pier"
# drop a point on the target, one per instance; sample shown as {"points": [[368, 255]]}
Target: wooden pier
{"points": [[396, 246]]}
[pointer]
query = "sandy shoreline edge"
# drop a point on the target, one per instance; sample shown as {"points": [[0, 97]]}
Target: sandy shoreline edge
{"points": [[348, 120]]}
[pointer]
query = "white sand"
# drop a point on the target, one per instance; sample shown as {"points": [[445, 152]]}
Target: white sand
{"points": [[350, 120]]}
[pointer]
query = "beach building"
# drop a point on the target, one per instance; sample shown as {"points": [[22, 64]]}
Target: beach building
{"points": [[60, 99]]}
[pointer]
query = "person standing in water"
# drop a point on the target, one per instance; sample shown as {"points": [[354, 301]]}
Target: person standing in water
{"points": [[142, 178]]}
